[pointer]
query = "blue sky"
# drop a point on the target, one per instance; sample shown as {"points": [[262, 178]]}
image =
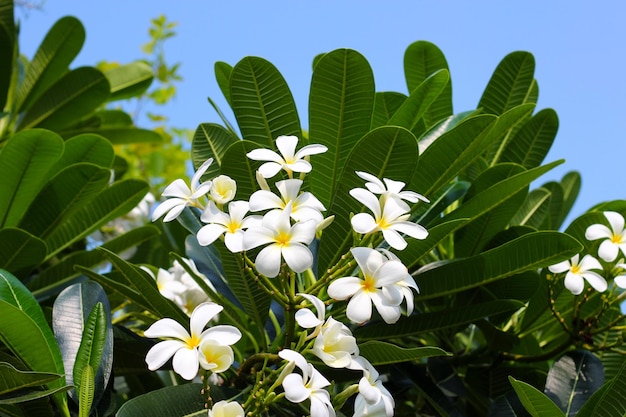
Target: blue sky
{"points": [[579, 52]]}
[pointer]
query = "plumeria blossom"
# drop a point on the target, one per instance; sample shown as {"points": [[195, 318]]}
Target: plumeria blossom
{"points": [[615, 237], [620, 279], [407, 285], [335, 345], [167, 284], [285, 241], [184, 345], [288, 159], [231, 225], [310, 385], [373, 398], [390, 189], [378, 286], [390, 217], [223, 189], [578, 272], [183, 195], [306, 318], [226, 409], [304, 206]]}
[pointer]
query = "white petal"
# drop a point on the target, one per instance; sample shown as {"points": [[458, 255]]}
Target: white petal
{"points": [[608, 251], [263, 200], [575, 283], [167, 206], [389, 313], [560, 267], [201, 170], [223, 334], [306, 319], [289, 189], [312, 149], [209, 233], [359, 307], [269, 169], [268, 260], [212, 214], [394, 239], [595, 280], [363, 223], [368, 199], [343, 288], [201, 315], [186, 363], [368, 391], [178, 188], [620, 281], [166, 328], [300, 166], [295, 390], [390, 272], [287, 146], [616, 221], [414, 230], [238, 209], [297, 256], [262, 154], [257, 236], [303, 232], [589, 262], [162, 352], [295, 357], [321, 406], [375, 185], [234, 241], [598, 231]]}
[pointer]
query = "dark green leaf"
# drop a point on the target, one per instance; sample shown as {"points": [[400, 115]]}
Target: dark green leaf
{"points": [[533, 140], [236, 165], [210, 141], [20, 251], [12, 379], [222, 76], [535, 402], [385, 105], [610, 400], [262, 102], [341, 102], [26, 159], [383, 353], [120, 135], [7, 49], [176, 401], [88, 148], [534, 210], [32, 395], [129, 80]]}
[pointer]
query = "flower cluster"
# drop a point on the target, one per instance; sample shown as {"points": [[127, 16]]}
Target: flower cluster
{"points": [[276, 226], [589, 268]]}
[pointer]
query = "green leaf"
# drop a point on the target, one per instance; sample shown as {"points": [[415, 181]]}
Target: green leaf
{"points": [[33, 395], [119, 135], [391, 153], [535, 402], [75, 95], [222, 76], [52, 60], [26, 159], [435, 321], [86, 389], [114, 201], [570, 183], [573, 379], [71, 190], [7, 50], [175, 401], [88, 148], [534, 210], [89, 356], [262, 102], [419, 101], [510, 85], [530, 251], [341, 101], [20, 251], [385, 105], [533, 140], [555, 206], [240, 168], [211, 141], [129, 80], [81, 319], [608, 401], [12, 379], [383, 353], [421, 60]]}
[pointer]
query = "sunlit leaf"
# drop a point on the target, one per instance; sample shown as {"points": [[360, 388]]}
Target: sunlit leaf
{"points": [[129, 80], [535, 402]]}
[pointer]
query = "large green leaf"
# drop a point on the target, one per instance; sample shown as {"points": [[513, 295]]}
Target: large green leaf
{"points": [[610, 400], [52, 59], [12, 379], [222, 76], [75, 95], [383, 353], [530, 251], [573, 379], [388, 152], [421, 60], [175, 401], [510, 85], [7, 49], [20, 250], [438, 320], [262, 102], [533, 140], [88, 359], [70, 190], [534, 210], [385, 105], [535, 402], [341, 101], [25, 159], [119, 135], [570, 184], [239, 167], [87, 147], [210, 141], [114, 201], [129, 80], [81, 319]]}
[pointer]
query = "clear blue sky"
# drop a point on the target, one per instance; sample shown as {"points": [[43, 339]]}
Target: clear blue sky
{"points": [[578, 47]]}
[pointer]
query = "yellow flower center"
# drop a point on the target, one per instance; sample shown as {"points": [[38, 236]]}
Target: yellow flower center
{"points": [[368, 284], [616, 238], [283, 238], [575, 269], [193, 342], [233, 226]]}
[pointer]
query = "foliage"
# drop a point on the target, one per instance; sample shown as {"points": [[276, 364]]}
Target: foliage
{"points": [[509, 319]]}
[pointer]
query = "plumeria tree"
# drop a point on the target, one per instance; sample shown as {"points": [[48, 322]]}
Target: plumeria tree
{"points": [[396, 258]]}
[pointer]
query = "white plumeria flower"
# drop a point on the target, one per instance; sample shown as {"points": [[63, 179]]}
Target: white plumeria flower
{"points": [[389, 217], [615, 236], [193, 295], [578, 272], [378, 286], [183, 195], [223, 189], [231, 225], [167, 283], [335, 345], [407, 285], [226, 409], [285, 241], [182, 345], [620, 280], [373, 398], [289, 159], [390, 189], [310, 385], [304, 206], [306, 318]]}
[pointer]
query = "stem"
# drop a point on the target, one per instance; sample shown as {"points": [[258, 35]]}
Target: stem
{"points": [[206, 389]]}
